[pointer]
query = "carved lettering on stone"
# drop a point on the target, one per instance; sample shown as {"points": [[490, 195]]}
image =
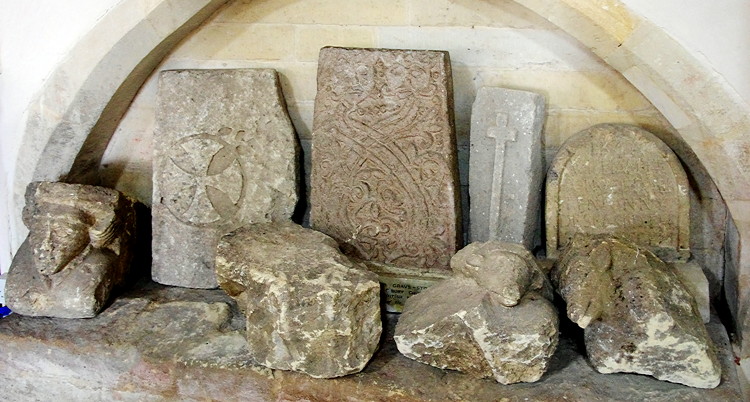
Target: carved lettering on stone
{"points": [[384, 177], [506, 166], [619, 180], [225, 155]]}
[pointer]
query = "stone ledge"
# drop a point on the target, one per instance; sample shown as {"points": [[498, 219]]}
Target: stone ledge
{"points": [[159, 342]]}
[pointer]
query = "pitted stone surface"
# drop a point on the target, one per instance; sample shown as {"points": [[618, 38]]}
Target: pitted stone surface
{"points": [[168, 343], [78, 251], [308, 307], [622, 181], [384, 173], [225, 155], [492, 319], [637, 314], [506, 166]]}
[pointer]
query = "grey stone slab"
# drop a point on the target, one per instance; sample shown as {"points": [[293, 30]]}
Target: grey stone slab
{"points": [[506, 166], [79, 250], [619, 180], [384, 175], [225, 155]]}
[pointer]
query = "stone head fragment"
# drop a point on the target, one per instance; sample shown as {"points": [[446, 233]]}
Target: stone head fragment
{"points": [[77, 252]]}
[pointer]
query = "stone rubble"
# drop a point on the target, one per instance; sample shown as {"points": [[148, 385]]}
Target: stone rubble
{"points": [[308, 307], [78, 251], [637, 315], [492, 319]]}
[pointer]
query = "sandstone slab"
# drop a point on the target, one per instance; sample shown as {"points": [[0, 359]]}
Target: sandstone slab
{"points": [[492, 319], [622, 181], [637, 314], [169, 343], [506, 166], [79, 250], [225, 155], [384, 175], [308, 307]]}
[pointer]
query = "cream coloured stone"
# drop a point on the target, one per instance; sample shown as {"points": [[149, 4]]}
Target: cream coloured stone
{"points": [[308, 307], [326, 12], [311, 38], [230, 42], [695, 281], [637, 314], [622, 181]]}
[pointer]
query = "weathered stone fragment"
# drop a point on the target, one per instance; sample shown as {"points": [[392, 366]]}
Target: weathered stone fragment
{"points": [[225, 155], [466, 323], [637, 314], [622, 181], [79, 249], [506, 166], [384, 175], [692, 276], [308, 307], [507, 269]]}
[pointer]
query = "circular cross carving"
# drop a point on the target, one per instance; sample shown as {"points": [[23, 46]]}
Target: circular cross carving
{"points": [[204, 178]]}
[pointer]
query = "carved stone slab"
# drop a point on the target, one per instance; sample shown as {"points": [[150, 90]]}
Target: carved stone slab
{"points": [[225, 155], [79, 250], [384, 176], [506, 166], [620, 180]]}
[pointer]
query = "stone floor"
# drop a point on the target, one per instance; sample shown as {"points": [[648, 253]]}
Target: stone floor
{"points": [[157, 343]]}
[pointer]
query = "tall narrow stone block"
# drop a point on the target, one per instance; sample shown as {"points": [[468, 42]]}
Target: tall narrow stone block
{"points": [[225, 155], [506, 166], [384, 176]]}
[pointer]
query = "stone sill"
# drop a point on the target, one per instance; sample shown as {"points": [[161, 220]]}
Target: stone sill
{"points": [[157, 342]]}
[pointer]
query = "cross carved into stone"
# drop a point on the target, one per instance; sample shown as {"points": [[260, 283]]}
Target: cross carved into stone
{"points": [[502, 134]]}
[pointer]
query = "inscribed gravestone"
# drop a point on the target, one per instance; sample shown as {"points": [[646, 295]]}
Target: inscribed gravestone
{"points": [[619, 180], [384, 178], [225, 155], [506, 166]]}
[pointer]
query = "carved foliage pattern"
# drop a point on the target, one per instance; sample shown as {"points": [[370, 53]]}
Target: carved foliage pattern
{"points": [[383, 180]]}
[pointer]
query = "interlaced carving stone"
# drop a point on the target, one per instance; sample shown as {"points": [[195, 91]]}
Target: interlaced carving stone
{"points": [[637, 314], [78, 251], [506, 166], [308, 307], [384, 175], [492, 319], [225, 155], [622, 181]]}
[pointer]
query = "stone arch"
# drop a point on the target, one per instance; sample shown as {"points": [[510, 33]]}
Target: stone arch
{"points": [[65, 135]]}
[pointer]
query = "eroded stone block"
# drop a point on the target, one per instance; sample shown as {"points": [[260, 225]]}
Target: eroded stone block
{"points": [[225, 155], [637, 314], [308, 307], [506, 166], [384, 176], [622, 181], [503, 328], [79, 249]]}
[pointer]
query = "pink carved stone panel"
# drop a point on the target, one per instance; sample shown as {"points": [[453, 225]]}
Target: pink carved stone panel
{"points": [[384, 175]]}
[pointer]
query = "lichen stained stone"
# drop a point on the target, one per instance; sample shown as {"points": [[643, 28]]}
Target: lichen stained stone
{"points": [[308, 307]]}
